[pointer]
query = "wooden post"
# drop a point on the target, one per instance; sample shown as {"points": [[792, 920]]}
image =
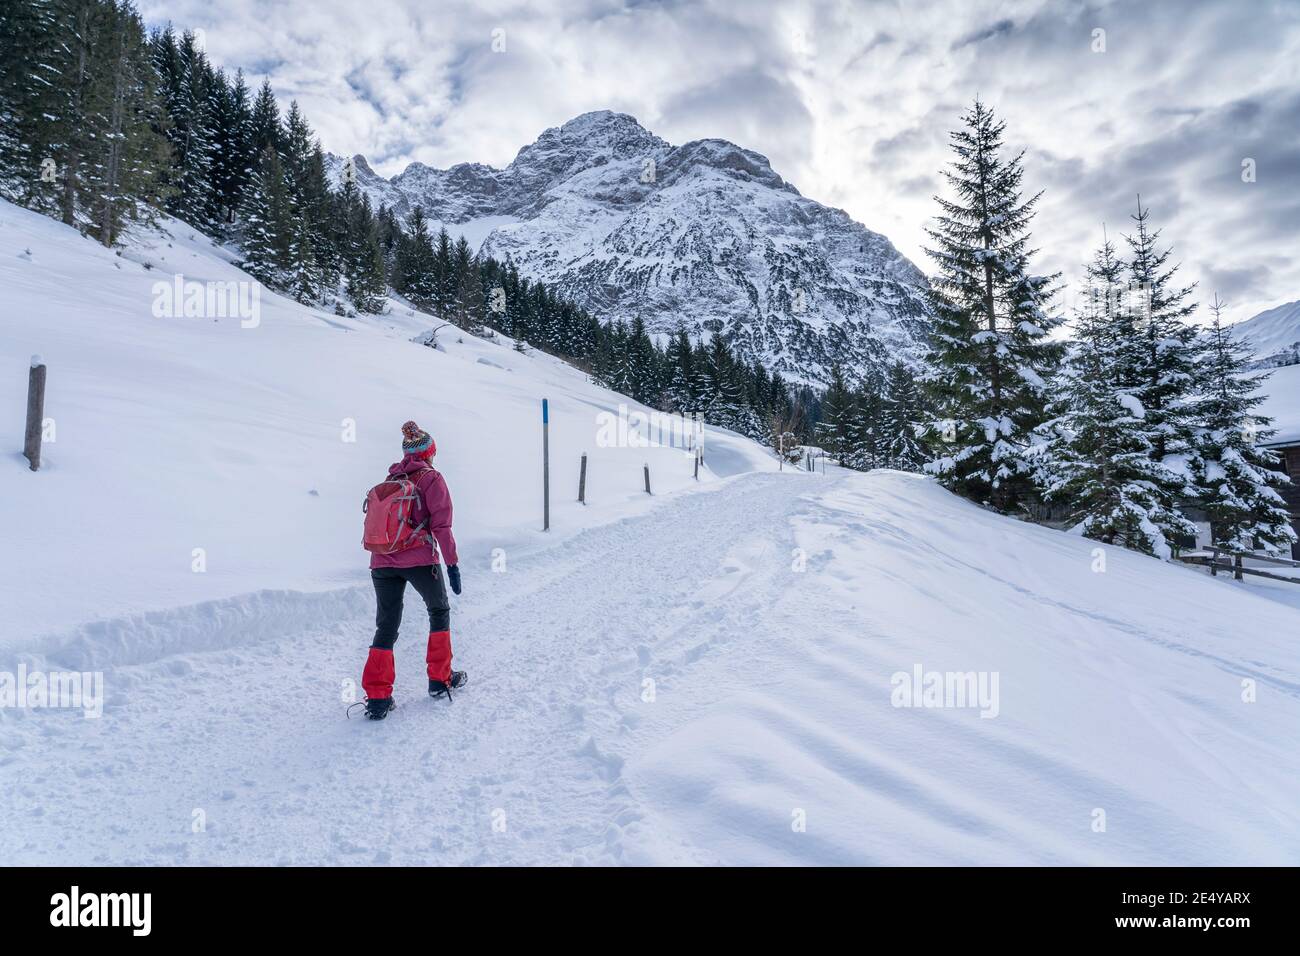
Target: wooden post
{"points": [[647, 479], [1236, 572], [546, 466], [582, 481], [697, 466], [35, 412], [1214, 561]]}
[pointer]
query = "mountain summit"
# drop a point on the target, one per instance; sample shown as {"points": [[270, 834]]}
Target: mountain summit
{"points": [[706, 234]]}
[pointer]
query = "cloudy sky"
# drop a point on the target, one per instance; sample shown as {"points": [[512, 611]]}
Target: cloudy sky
{"points": [[851, 101]]}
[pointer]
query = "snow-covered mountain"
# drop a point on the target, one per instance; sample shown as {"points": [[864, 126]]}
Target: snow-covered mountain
{"points": [[1273, 336], [705, 234]]}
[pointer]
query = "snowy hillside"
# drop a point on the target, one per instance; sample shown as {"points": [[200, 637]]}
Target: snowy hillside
{"points": [[722, 672], [257, 444], [1273, 336], [705, 233]]}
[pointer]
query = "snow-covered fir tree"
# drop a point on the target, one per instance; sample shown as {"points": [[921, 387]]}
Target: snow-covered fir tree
{"points": [[415, 275], [304, 280], [834, 430], [1237, 479], [724, 397], [183, 69], [991, 357], [31, 47], [865, 434], [643, 361], [264, 128], [680, 361], [124, 177], [442, 282], [902, 421], [233, 150], [357, 240], [1099, 462], [1162, 359], [266, 222], [469, 303]]}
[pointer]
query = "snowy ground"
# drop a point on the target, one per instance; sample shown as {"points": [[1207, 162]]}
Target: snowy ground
{"points": [[1119, 691], [705, 676]]}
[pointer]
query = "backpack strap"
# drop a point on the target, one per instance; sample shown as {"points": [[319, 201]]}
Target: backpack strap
{"points": [[415, 477]]}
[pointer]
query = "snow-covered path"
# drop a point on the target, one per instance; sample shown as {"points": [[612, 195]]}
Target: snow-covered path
{"points": [[690, 686], [558, 647]]}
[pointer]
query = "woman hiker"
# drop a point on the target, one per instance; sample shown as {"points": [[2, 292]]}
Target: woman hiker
{"points": [[408, 524]]}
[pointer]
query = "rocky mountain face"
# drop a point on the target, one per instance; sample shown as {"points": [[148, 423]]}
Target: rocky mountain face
{"points": [[705, 234]]}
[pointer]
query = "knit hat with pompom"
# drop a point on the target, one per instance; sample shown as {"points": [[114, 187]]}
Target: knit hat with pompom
{"points": [[416, 441]]}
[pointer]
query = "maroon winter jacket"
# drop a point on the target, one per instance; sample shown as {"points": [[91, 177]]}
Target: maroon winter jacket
{"points": [[434, 505]]}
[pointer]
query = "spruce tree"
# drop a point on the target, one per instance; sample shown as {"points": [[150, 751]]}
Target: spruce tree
{"points": [[618, 373], [902, 421], [643, 364], [991, 355], [128, 155], [415, 262], [264, 129], [1098, 462], [78, 108], [723, 397], [304, 280], [679, 360], [233, 153], [1237, 479], [267, 223], [35, 59], [834, 431], [1163, 357], [443, 284], [864, 430], [185, 76], [356, 239], [470, 302]]}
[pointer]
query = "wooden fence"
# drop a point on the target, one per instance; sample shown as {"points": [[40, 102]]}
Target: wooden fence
{"points": [[1218, 559]]}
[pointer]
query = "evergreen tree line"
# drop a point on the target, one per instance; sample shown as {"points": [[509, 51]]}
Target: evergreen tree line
{"points": [[1139, 423], [84, 124], [877, 423]]}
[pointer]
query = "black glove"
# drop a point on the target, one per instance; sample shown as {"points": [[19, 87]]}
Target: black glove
{"points": [[453, 575]]}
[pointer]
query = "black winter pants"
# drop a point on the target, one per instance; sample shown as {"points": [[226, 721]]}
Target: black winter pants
{"points": [[390, 585]]}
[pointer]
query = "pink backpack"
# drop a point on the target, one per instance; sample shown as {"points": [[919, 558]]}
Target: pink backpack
{"points": [[389, 508]]}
